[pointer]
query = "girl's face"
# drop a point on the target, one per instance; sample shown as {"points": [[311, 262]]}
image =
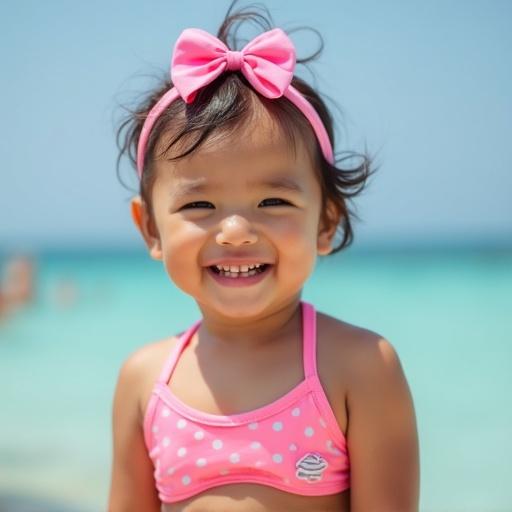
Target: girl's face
{"points": [[239, 202]]}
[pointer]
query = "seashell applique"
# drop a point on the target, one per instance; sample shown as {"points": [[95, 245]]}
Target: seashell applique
{"points": [[310, 467]]}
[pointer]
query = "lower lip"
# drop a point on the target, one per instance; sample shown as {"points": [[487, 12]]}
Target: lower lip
{"points": [[239, 281]]}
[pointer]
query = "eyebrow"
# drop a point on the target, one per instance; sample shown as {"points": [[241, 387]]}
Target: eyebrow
{"points": [[199, 186]]}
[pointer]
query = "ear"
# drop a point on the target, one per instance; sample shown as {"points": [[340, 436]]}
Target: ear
{"points": [[142, 220], [327, 229]]}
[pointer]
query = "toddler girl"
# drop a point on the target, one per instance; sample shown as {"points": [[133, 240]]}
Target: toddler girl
{"points": [[263, 404]]}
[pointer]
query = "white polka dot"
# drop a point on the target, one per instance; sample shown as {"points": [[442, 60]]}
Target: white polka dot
{"points": [[181, 423], [332, 448], [186, 480], [322, 422], [224, 471], [170, 471], [201, 462], [277, 426], [253, 425], [199, 435], [255, 445], [234, 458], [309, 431], [166, 441], [296, 412], [182, 452], [217, 444], [154, 429], [292, 447], [277, 458], [165, 412], [155, 451]]}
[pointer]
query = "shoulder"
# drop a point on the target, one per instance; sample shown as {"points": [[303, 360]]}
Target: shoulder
{"points": [[381, 423], [359, 365], [140, 370], [355, 352], [132, 483]]}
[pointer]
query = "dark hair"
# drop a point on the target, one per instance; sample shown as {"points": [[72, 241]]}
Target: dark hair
{"points": [[224, 105]]}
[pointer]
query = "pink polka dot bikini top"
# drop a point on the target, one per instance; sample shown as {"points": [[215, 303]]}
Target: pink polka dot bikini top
{"points": [[294, 444]]}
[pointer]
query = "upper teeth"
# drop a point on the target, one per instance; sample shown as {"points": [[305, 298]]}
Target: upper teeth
{"points": [[238, 268]]}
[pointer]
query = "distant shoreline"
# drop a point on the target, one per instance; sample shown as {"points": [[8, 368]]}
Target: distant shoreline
{"points": [[420, 247]]}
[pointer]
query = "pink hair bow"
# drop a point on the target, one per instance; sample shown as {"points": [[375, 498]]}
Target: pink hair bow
{"points": [[267, 62]]}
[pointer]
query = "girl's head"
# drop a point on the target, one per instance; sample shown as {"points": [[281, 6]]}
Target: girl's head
{"points": [[234, 179]]}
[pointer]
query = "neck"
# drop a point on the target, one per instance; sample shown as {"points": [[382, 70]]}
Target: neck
{"points": [[254, 332]]}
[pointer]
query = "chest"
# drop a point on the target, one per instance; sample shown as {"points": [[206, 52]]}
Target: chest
{"points": [[226, 385]]}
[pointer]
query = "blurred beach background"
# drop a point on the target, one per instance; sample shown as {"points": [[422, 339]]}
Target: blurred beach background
{"points": [[425, 86]]}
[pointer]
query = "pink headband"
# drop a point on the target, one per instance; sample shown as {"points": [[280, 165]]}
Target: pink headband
{"points": [[267, 62]]}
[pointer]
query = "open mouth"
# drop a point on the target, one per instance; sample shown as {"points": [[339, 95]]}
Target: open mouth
{"points": [[236, 271]]}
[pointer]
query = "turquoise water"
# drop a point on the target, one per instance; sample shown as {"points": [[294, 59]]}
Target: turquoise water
{"points": [[448, 314]]}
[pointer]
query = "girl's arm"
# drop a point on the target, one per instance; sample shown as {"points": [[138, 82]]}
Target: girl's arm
{"points": [[382, 433], [132, 485]]}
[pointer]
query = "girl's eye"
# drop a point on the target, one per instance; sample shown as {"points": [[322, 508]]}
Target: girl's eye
{"points": [[274, 201], [198, 204]]}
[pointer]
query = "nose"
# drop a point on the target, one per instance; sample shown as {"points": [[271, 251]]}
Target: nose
{"points": [[236, 230]]}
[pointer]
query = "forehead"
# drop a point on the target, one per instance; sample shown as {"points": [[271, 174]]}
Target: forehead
{"points": [[258, 148]]}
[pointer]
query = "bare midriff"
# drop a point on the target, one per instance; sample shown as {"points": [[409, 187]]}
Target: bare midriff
{"points": [[258, 498]]}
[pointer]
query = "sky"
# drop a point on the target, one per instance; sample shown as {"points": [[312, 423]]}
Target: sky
{"points": [[423, 86]]}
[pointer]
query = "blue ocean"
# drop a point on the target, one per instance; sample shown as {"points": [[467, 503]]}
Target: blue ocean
{"points": [[448, 313]]}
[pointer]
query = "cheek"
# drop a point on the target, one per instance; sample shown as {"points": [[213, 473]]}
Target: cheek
{"points": [[181, 244], [298, 245], [300, 231]]}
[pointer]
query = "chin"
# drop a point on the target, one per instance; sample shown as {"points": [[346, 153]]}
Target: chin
{"points": [[238, 309]]}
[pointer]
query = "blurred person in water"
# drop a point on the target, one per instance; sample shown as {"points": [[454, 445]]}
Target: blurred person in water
{"points": [[16, 285]]}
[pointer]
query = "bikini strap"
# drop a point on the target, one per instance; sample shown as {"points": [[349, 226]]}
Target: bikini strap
{"points": [[309, 339], [308, 345], [171, 361]]}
